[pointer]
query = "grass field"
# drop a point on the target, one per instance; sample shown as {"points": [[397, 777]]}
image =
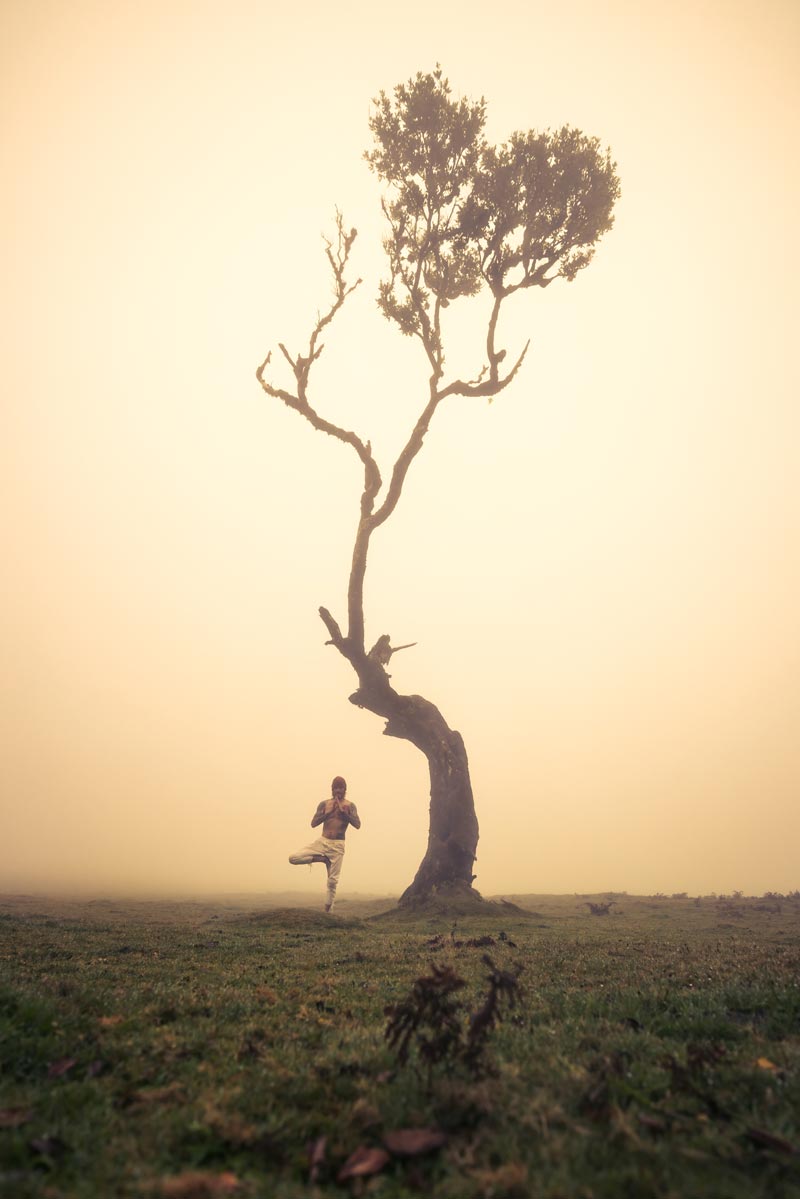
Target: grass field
{"points": [[201, 1050]]}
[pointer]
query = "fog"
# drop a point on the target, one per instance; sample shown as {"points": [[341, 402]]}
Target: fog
{"points": [[601, 569]]}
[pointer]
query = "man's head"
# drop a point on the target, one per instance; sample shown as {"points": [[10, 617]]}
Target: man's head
{"points": [[338, 787]]}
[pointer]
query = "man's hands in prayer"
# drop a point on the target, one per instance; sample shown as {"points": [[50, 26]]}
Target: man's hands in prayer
{"points": [[337, 805]]}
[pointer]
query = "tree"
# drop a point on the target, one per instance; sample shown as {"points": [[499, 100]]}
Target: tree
{"points": [[463, 216]]}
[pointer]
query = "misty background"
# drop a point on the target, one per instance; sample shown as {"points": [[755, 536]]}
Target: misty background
{"points": [[601, 569]]}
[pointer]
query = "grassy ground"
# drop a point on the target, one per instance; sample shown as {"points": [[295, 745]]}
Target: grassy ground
{"points": [[205, 1050]]}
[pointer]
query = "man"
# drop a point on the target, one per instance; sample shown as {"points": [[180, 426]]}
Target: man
{"points": [[334, 815]]}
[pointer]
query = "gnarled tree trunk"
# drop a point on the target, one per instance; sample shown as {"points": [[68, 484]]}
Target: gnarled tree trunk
{"points": [[453, 834]]}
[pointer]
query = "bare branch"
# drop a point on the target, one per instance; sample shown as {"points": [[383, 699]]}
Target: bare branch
{"points": [[483, 386], [286, 355], [490, 387], [372, 475], [406, 457], [333, 628], [489, 382], [278, 392], [338, 257]]}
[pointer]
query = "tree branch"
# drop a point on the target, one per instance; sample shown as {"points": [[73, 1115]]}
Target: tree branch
{"points": [[338, 262], [406, 457], [338, 257], [333, 628], [489, 387], [493, 384]]}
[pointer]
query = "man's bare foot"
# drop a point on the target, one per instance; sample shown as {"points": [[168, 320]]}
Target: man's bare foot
{"points": [[320, 857]]}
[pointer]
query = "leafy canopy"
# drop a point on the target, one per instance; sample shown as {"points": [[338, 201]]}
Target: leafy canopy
{"points": [[463, 213]]}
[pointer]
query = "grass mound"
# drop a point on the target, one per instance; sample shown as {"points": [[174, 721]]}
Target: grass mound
{"points": [[305, 918]]}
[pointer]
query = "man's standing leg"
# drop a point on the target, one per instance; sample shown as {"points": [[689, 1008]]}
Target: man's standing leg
{"points": [[335, 856]]}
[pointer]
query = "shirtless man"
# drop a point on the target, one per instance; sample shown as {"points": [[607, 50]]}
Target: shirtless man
{"points": [[334, 815]]}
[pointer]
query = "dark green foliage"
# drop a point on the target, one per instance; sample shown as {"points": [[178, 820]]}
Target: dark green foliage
{"points": [[504, 989], [538, 206], [600, 909], [463, 213], [440, 1026], [428, 148], [429, 1016]]}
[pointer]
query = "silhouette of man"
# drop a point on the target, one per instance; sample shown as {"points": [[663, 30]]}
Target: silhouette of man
{"points": [[334, 815]]}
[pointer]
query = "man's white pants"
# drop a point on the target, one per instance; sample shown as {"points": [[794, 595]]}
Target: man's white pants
{"points": [[333, 851]]}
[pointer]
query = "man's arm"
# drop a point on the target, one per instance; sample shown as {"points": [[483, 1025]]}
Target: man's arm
{"points": [[319, 815], [352, 815]]}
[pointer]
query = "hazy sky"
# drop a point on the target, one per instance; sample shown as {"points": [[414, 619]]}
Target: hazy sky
{"points": [[601, 569]]}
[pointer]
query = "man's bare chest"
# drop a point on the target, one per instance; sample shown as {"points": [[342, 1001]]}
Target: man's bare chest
{"points": [[335, 826]]}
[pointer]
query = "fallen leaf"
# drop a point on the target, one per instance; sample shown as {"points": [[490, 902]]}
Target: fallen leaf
{"points": [[109, 1021], [362, 1162], [408, 1142], [764, 1063], [13, 1117], [768, 1140], [199, 1184], [59, 1069]]}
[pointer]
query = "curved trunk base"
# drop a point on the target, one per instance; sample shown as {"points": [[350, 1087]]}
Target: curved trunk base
{"points": [[456, 894], [451, 904], [447, 868]]}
